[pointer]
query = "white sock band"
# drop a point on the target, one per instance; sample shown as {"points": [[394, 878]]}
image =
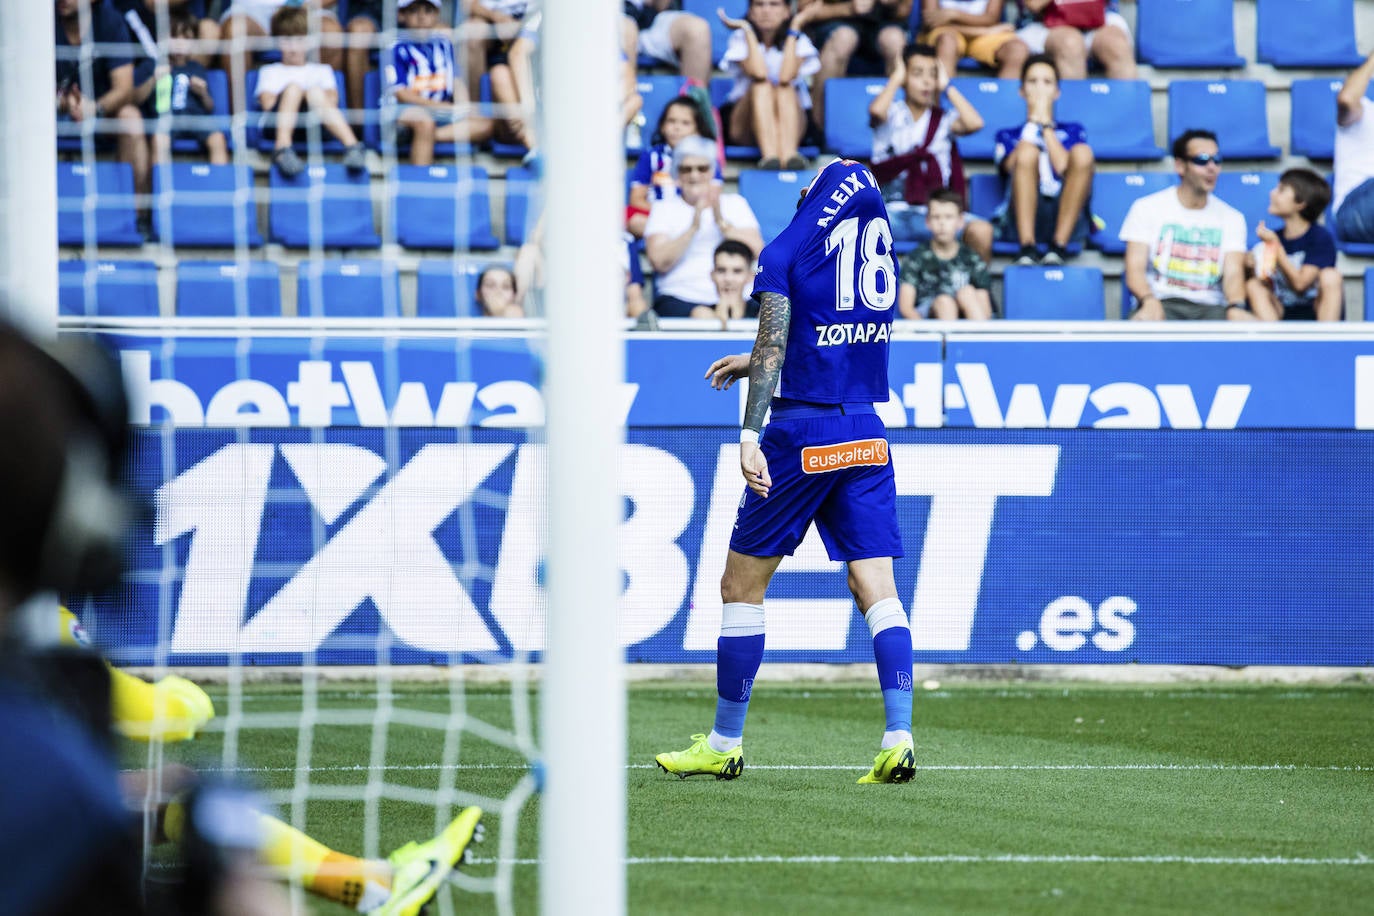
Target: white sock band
{"points": [[740, 619], [886, 614]]}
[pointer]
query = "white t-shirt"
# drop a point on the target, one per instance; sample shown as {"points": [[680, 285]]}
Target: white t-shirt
{"points": [[903, 132], [1354, 163], [1187, 247], [274, 78], [737, 51], [690, 278]]}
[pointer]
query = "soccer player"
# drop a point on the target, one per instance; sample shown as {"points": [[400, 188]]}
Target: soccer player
{"points": [[826, 287]]}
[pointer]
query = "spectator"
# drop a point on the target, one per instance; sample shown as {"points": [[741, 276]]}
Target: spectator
{"points": [[285, 87], [972, 28], [770, 61], [914, 151], [253, 19], [425, 96], [943, 278], [1295, 273], [635, 305], [732, 272], [652, 178], [364, 22], [512, 88], [684, 230], [141, 18], [1072, 30], [496, 295], [180, 92], [1354, 165], [672, 37], [1048, 165], [106, 94], [1185, 249], [874, 30]]}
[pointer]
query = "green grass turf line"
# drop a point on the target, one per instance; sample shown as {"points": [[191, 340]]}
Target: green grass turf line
{"points": [[1181, 799]]}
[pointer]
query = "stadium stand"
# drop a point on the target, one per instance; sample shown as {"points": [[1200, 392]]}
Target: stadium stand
{"points": [[1369, 294], [998, 101], [1314, 111], [1115, 113], [446, 289], [657, 92], [259, 139], [720, 35], [720, 89], [1183, 34], [210, 289], [1248, 192], [428, 211], [348, 288], [1233, 109], [109, 187], [1304, 33], [1113, 194], [847, 132], [338, 205], [522, 204], [197, 205], [372, 135], [108, 288], [1053, 293], [773, 197]]}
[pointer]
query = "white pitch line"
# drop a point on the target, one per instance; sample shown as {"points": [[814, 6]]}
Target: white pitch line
{"points": [[1009, 859], [971, 767]]}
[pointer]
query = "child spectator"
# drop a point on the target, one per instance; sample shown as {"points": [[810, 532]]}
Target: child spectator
{"points": [[285, 87], [732, 272], [141, 18], [1049, 170], [684, 230], [972, 28], [424, 94], [253, 19], [364, 22], [652, 178], [1185, 248], [1295, 272], [1071, 30], [1354, 163], [943, 278], [914, 151], [771, 62], [181, 92], [874, 31], [496, 294]]}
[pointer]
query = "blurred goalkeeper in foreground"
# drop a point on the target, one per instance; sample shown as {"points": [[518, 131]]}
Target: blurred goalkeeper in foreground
{"points": [[70, 839]]}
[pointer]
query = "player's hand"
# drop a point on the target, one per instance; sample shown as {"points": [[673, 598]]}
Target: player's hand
{"points": [[724, 371], [1265, 233], [730, 23], [755, 468]]}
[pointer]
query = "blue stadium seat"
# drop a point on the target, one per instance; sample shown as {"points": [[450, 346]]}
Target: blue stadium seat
{"points": [[373, 135], [720, 88], [1187, 33], [446, 289], [1113, 194], [1307, 33], [1115, 113], [773, 197], [1000, 104], [986, 191], [1313, 123], [1357, 249], [107, 288], [201, 205], [210, 289], [1053, 293], [427, 212], [1248, 192], [1234, 109], [523, 204], [218, 83], [256, 137], [1369, 294], [344, 207], [657, 92], [110, 186], [720, 35], [348, 288], [846, 115]]}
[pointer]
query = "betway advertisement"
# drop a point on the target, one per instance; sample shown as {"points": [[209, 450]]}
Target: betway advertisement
{"points": [[985, 381], [427, 545]]}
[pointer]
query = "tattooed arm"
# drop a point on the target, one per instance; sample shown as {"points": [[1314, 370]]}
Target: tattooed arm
{"points": [[765, 366]]}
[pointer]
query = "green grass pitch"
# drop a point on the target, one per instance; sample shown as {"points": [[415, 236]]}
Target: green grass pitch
{"points": [[1065, 798]]}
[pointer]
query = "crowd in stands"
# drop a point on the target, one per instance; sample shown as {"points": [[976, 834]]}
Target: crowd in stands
{"points": [[318, 71]]}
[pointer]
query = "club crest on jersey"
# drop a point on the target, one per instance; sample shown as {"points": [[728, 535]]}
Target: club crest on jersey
{"points": [[819, 459]]}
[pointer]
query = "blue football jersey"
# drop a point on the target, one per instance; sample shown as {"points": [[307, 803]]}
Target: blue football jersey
{"points": [[835, 262]]}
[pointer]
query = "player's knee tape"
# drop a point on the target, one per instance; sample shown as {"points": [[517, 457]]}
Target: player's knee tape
{"points": [[740, 619], [886, 614]]}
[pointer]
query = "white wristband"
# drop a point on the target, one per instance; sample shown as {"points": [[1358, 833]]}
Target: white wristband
{"points": [[749, 435]]}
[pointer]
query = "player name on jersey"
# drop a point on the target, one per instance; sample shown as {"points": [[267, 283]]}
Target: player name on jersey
{"points": [[847, 189]]}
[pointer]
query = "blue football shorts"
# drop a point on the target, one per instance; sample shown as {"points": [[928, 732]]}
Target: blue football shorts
{"points": [[829, 464]]}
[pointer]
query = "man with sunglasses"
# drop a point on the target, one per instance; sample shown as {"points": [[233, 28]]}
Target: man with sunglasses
{"points": [[1185, 249]]}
